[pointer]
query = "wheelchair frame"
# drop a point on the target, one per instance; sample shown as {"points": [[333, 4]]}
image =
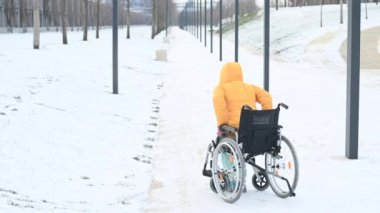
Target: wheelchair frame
{"points": [[249, 158]]}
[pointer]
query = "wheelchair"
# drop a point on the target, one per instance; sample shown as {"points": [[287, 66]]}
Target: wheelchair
{"points": [[258, 134]]}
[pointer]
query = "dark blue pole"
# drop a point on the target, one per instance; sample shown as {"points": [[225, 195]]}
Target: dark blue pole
{"points": [[167, 19], [220, 31], [211, 25], [197, 17], [353, 79], [205, 23], [115, 46], [236, 30], [266, 45], [200, 20]]}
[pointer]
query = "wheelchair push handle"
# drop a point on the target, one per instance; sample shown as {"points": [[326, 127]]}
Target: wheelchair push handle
{"points": [[283, 105]]}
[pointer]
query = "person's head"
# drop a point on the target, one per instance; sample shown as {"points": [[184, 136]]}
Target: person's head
{"points": [[231, 71]]}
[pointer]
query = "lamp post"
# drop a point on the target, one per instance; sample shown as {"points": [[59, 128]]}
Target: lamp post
{"points": [[353, 79], [205, 23], [266, 45], [167, 19], [115, 46], [211, 27], [237, 30], [220, 31]]}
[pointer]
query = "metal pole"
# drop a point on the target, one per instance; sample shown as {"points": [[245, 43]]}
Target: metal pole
{"points": [[266, 45], [236, 30], [321, 13], [353, 79], [211, 27], [200, 20], [167, 18], [220, 31], [185, 18], [193, 18], [115, 46], [197, 17], [205, 23]]}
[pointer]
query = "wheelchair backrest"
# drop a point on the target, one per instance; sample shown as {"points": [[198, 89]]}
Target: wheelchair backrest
{"points": [[258, 130]]}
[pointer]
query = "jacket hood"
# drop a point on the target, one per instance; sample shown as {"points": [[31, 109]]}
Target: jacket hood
{"points": [[231, 72]]}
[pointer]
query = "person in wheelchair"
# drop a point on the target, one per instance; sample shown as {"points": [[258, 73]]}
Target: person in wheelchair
{"points": [[232, 93], [244, 133], [229, 96]]}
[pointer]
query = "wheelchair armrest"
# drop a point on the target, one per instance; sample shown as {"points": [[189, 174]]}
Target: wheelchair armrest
{"points": [[228, 128]]}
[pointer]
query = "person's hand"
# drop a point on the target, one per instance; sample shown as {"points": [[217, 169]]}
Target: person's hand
{"points": [[220, 132]]}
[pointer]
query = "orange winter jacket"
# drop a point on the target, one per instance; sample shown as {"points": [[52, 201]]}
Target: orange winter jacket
{"points": [[232, 93]]}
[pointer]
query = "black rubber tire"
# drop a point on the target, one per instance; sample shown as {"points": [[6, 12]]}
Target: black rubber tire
{"points": [[273, 181], [240, 168], [212, 186], [260, 186]]}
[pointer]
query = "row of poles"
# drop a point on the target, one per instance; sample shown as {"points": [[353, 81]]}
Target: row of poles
{"points": [[193, 22], [353, 57]]}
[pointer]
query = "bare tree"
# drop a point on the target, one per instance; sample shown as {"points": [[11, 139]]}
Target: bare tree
{"points": [[10, 15], [97, 17], [63, 21], [36, 23], [21, 13], [85, 27], [47, 13]]}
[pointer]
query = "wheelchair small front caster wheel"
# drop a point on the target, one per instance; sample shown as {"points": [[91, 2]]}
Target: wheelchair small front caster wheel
{"points": [[212, 186], [260, 185]]}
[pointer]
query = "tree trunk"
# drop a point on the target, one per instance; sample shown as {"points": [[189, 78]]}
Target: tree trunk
{"points": [[276, 4], [97, 17], [36, 24], [85, 27], [366, 10], [21, 13], [128, 19], [9, 9], [63, 21]]}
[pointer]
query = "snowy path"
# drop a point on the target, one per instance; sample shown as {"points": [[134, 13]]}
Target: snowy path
{"points": [[184, 130]]}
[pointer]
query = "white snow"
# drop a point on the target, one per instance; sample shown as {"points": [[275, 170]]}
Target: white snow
{"points": [[67, 144]]}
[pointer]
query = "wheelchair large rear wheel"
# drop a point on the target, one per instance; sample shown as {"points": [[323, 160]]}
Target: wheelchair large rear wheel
{"points": [[228, 170], [284, 166]]}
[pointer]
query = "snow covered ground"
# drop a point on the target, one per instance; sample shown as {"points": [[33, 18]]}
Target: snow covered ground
{"points": [[296, 31], [68, 145]]}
